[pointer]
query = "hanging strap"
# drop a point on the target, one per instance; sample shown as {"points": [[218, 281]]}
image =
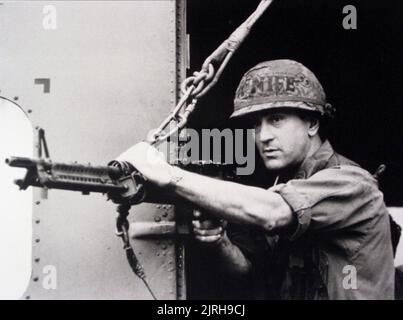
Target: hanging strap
{"points": [[122, 230]]}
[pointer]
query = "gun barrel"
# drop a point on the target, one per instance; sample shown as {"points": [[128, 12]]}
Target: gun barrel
{"points": [[115, 179], [21, 162]]}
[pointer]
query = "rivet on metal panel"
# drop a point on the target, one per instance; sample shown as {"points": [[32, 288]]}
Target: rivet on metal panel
{"points": [[164, 247], [35, 279], [27, 297], [29, 110], [165, 214], [37, 260], [37, 202], [157, 219], [37, 240], [15, 98], [158, 254], [37, 221], [158, 206], [37, 128]]}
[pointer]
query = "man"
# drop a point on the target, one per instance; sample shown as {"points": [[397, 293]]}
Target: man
{"points": [[325, 222]]}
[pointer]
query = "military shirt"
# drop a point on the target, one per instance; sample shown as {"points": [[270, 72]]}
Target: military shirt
{"points": [[341, 247]]}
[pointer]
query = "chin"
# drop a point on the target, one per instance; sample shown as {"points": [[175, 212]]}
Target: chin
{"points": [[274, 165]]}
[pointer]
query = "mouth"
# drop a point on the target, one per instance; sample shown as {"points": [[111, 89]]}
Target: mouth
{"points": [[270, 151]]}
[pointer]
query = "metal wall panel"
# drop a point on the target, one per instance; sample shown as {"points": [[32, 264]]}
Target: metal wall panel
{"points": [[112, 72]]}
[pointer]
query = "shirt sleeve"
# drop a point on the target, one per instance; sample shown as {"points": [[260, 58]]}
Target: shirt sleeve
{"points": [[331, 199]]}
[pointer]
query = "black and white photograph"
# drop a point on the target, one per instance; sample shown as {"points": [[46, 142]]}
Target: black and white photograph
{"points": [[222, 151]]}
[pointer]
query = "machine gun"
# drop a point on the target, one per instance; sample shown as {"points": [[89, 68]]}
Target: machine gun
{"points": [[119, 180]]}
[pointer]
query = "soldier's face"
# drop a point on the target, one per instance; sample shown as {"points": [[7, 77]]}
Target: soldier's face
{"points": [[282, 139]]}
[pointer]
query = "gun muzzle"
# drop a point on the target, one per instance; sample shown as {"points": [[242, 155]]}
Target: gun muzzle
{"points": [[21, 162]]}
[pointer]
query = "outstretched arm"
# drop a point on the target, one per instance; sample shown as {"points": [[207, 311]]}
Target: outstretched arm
{"points": [[228, 200]]}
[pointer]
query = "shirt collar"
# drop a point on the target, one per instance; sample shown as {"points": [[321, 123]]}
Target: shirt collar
{"points": [[316, 162]]}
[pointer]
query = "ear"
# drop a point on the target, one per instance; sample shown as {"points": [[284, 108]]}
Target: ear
{"points": [[313, 127]]}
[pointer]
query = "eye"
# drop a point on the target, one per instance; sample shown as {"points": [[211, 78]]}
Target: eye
{"points": [[275, 119]]}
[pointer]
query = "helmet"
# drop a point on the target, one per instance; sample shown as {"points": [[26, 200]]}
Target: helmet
{"points": [[280, 84]]}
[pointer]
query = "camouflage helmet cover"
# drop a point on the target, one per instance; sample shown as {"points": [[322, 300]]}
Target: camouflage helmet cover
{"points": [[279, 84]]}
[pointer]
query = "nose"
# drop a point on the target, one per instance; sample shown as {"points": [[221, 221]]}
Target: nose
{"points": [[265, 133]]}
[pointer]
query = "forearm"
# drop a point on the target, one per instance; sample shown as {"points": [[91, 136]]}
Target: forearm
{"points": [[230, 258], [232, 201]]}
